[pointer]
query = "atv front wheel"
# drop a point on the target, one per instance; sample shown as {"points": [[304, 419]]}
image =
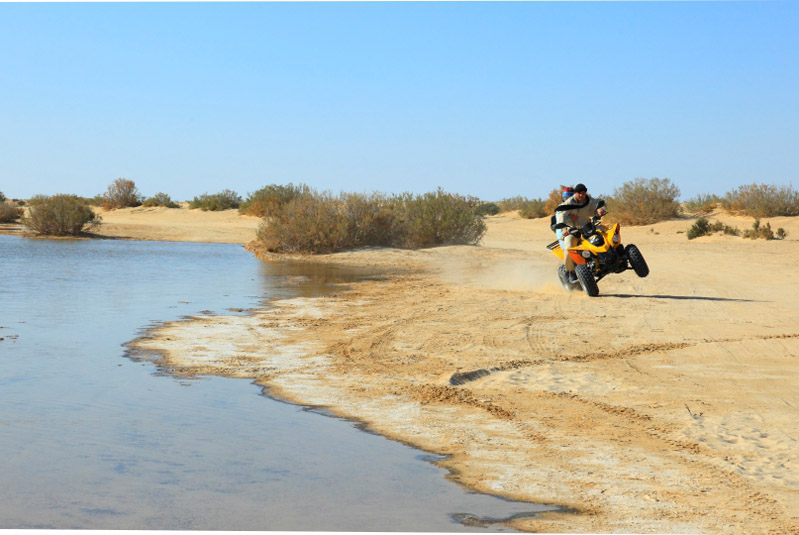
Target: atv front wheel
{"points": [[637, 261], [563, 277], [587, 280]]}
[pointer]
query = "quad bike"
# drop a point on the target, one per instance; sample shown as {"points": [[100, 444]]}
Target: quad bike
{"points": [[598, 252]]}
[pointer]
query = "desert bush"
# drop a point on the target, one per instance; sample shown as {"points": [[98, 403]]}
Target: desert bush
{"points": [[764, 231], [311, 223], [529, 208], [438, 218], [644, 201], [511, 204], [534, 208], [122, 193], [59, 215], [265, 201], [2, 197], [554, 200], [322, 223], [224, 200], [98, 200], [9, 211], [487, 208], [702, 203], [372, 219], [702, 227], [763, 200], [161, 199]]}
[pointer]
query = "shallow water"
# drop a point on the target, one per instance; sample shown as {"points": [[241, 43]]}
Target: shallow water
{"points": [[91, 439]]}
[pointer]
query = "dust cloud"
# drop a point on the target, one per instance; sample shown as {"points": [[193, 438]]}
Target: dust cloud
{"points": [[512, 275]]}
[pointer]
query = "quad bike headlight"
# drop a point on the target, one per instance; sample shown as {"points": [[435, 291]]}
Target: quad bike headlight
{"points": [[597, 240], [586, 254], [616, 238]]}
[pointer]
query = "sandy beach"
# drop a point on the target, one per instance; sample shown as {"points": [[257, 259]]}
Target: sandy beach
{"points": [[665, 405]]}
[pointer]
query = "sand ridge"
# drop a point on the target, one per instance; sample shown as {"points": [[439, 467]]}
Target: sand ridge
{"points": [[667, 404]]}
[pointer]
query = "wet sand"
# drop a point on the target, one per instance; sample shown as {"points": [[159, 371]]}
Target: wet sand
{"points": [[668, 404]]}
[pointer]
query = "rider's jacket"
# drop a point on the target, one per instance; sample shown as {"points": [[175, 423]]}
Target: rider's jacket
{"points": [[575, 214]]}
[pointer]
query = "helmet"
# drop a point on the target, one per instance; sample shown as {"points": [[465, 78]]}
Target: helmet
{"points": [[568, 192]]}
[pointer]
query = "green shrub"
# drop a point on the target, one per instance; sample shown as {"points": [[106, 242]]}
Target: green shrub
{"points": [[2, 197], [224, 200], [762, 200], [9, 211], [59, 215], [160, 199], [265, 201], [726, 229], [322, 223], [765, 232], [702, 203], [701, 227], [644, 201], [122, 193], [487, 208]]}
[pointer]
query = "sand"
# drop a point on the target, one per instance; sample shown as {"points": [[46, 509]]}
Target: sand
{"points": [[167, 224], [666, 405], [177, 224]]}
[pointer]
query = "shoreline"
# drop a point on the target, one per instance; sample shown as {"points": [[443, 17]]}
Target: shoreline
{"points": [[665, 405], [628, 433]]}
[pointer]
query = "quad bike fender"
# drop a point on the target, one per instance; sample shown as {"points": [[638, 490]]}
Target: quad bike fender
{"points": [[576, 256], [556, 249]]}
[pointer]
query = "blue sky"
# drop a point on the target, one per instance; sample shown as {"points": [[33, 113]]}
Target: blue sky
{"points": [[486, 99]]}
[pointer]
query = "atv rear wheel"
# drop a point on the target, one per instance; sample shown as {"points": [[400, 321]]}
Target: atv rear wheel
{"points": [[587, 280], [637, 261]]}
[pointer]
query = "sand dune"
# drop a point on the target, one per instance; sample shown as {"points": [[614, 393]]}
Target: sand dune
{"points": [[177, 224]]}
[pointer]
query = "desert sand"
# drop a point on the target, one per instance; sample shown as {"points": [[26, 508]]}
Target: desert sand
{"points": [[668, 404], [177, 224]]}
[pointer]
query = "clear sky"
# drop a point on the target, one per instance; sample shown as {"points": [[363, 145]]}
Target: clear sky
{"points": [[486, 99]]}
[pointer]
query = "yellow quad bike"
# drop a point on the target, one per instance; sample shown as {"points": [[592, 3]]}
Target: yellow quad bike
{"points": [[598, 252]]}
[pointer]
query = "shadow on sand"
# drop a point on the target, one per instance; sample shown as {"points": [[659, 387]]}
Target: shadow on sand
{"points": [[684, 298]]}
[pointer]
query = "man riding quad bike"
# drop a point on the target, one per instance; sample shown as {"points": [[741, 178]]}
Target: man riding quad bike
{"points": [[598, 251]]}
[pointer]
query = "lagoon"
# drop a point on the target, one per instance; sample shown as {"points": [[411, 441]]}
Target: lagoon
{"points": [[92, 439]]}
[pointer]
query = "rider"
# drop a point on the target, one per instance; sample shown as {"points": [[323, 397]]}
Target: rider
{"points": [[575, 211]]}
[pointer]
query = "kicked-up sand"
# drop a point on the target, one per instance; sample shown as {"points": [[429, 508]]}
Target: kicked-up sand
{"points": [[668, 404]]}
